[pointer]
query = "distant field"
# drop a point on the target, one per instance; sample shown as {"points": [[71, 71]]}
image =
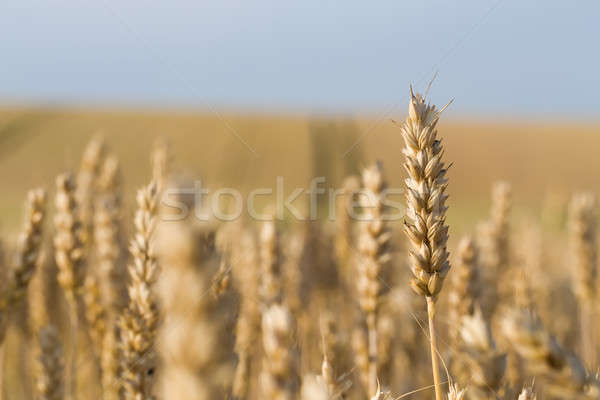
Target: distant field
{"points": [[543, 160]]}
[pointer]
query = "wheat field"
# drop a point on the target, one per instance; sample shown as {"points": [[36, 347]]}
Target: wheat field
{"points": [[478, 281]]}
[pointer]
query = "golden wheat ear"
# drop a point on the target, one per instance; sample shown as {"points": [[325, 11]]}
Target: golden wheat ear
{"points": [[139, 322], [69, 253], [28, 246], [425, 223]]}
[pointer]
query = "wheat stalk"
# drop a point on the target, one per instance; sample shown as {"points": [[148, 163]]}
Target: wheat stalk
{"points": [[426, 210], [138, 323], [386, 354], [49, 379]]}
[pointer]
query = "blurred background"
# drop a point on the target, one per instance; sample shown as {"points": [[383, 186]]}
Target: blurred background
{"points": [[248, 91]]}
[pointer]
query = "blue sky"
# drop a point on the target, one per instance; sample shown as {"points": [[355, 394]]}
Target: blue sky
{"points": [[494, 57]]}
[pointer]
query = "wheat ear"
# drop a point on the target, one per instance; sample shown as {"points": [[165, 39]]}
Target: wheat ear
{"points": [[107, 237], [494, 250], [465, 285], [456, 393], [49, 377], [85, 191], [344, 237], [582, 231], [425, 223], [374, 255], [95, 314], [527, 394], [28, 246], [111, 274], [271, 282], [482, 363], [277, 378], [191, 337], [314, 388], [245, 276], [26, 258], [160, 160], [360, 349], [565, 376], [70, 260], [139, 321]]}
